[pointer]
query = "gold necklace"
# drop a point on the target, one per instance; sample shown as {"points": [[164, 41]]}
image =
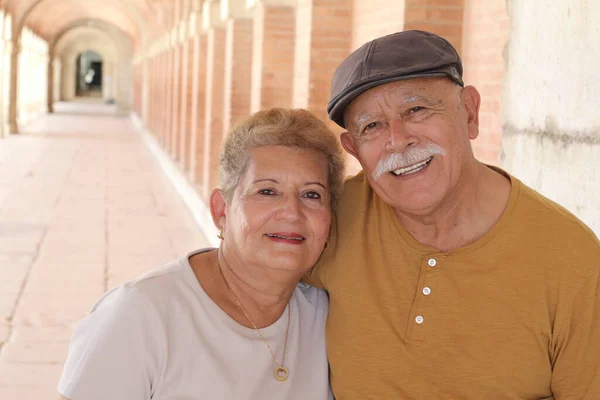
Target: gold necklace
{"points": [[281, 373]]}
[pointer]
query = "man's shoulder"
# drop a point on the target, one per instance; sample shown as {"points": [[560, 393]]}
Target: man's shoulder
{"points": [[549, 216], [559, 240]]}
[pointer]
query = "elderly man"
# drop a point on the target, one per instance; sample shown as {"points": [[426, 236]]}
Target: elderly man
{"points": [[448, 278]]}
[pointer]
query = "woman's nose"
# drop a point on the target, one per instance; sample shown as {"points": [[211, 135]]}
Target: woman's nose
{"points": [[289, 209]]}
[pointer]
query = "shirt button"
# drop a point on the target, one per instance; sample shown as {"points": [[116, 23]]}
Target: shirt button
{"points": [[419, 320], [426, 291], [432, 262]]}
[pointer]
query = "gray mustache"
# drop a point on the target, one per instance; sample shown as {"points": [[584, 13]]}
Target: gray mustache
{"points": [[411, 156]]}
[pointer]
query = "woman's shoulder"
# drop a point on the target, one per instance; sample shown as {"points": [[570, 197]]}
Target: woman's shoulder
{"points": [[155, 287], [315, 297]]}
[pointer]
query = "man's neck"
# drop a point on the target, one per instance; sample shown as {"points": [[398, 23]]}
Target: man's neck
{"points": [[471, 210]]}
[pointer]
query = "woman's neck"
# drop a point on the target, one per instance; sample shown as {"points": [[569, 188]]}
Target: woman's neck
{"points": [[263, 295]]}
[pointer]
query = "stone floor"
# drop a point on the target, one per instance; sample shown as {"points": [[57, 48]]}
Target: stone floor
{"points": [[83, 207]]}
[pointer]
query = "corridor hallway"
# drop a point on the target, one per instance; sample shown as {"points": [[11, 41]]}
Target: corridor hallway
{"points": [[83, 206]]}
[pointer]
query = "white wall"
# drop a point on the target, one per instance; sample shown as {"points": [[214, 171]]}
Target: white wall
{"points": [[551, 104]]}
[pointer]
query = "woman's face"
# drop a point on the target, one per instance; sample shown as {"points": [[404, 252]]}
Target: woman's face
{"points": [[280, 212]]}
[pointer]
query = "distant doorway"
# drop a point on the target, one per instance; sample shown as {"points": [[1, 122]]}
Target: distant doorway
{"points": [[88, 79]]}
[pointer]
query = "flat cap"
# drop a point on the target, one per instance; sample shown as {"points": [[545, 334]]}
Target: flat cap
{"points": [[395, 57]]}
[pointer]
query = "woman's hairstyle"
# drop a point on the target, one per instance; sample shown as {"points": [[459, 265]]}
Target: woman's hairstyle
{"points": [[295, 128]]}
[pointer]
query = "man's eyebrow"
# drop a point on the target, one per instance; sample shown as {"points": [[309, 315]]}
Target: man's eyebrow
{"points": [[416, 98]]}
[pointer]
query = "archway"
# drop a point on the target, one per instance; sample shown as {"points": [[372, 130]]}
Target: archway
{"points": [[129, 18], [88, 75], [112, 46]]}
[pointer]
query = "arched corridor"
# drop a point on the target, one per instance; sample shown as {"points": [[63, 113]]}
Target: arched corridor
{"points": [[113, 112]]}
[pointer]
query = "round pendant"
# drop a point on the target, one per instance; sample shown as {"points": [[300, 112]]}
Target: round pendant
{"points": [[281, 374]]}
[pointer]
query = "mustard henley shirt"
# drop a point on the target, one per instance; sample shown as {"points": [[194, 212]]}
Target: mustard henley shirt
{"points": [[514, 315]]}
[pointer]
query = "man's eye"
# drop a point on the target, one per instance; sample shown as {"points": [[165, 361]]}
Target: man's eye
{"points": [[416, 109], [266, 192], [372, 125], [312, 195]]}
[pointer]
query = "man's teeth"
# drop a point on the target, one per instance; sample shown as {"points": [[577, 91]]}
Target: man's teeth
{"points": [[411, 169], [285, 237]]}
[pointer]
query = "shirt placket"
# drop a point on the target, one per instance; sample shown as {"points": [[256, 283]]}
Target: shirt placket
{"points": [[419, 318]]}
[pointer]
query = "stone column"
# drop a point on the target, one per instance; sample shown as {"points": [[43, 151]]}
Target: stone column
{"points": [[551, 138]]}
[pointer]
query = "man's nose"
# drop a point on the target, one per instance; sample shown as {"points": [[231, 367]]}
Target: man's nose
{"points": [[400, 136]]}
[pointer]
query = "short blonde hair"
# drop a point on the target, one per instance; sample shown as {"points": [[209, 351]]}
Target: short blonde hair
{"points": [[295, 128]]}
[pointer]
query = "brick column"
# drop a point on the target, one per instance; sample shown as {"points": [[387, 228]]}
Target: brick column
{"points": [[238, 56], [198, 110], [273, 56], [213, 124], [169, 81], [442, 17], [486, 31], [150, 121], [323, 40], [186, 103], [175, 102]]}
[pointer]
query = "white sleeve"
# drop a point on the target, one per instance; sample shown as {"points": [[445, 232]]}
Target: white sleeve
{"points": [[115, 352]]}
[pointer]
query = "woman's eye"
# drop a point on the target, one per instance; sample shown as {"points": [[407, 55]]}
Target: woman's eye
{"points": [[312, 195], [266, 192]]}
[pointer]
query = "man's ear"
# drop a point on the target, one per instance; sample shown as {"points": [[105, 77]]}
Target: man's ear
{"points": [[471, 101], [348, 144], [218, 208]]}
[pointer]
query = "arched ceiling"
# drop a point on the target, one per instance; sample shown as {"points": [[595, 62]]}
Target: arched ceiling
{"points": [[47, 17], [65, 12], [87, 35], [140, 20]]}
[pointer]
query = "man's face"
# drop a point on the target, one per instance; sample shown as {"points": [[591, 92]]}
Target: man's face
{"points": [[412, 139]]}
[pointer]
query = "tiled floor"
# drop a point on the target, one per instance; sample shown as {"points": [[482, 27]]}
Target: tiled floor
{"points": [[83, 207]]}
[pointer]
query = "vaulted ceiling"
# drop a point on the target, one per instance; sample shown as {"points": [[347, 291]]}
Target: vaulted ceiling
{"points": [[138, 19]]}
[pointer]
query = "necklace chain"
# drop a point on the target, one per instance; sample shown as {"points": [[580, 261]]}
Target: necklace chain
{"points": [[281, 373]]}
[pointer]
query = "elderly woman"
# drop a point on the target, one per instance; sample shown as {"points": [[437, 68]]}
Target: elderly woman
{"points": [[233, 322]]}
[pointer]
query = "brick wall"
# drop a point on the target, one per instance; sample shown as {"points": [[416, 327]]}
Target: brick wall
{"points": [[197, 132], [238, 78], [442, 17], [273, 57], [187, 101], [486, 28], [374, 18], [282, 55], [213, 124]]}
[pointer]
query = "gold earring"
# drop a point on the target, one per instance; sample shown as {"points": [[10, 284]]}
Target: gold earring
{"points": [[220, 234]]}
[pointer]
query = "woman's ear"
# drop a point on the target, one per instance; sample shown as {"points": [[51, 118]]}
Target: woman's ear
{"points": [[218, 208]]}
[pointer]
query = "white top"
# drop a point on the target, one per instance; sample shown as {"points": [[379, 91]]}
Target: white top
{"points": [[161, 337]]}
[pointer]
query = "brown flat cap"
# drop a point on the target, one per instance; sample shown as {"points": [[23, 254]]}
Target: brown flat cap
{"points": [[395, 57]]}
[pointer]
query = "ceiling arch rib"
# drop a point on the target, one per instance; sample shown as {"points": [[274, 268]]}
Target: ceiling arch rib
{"points": [[112, 32], [65, 40], [131, 16], [64, 14]]}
